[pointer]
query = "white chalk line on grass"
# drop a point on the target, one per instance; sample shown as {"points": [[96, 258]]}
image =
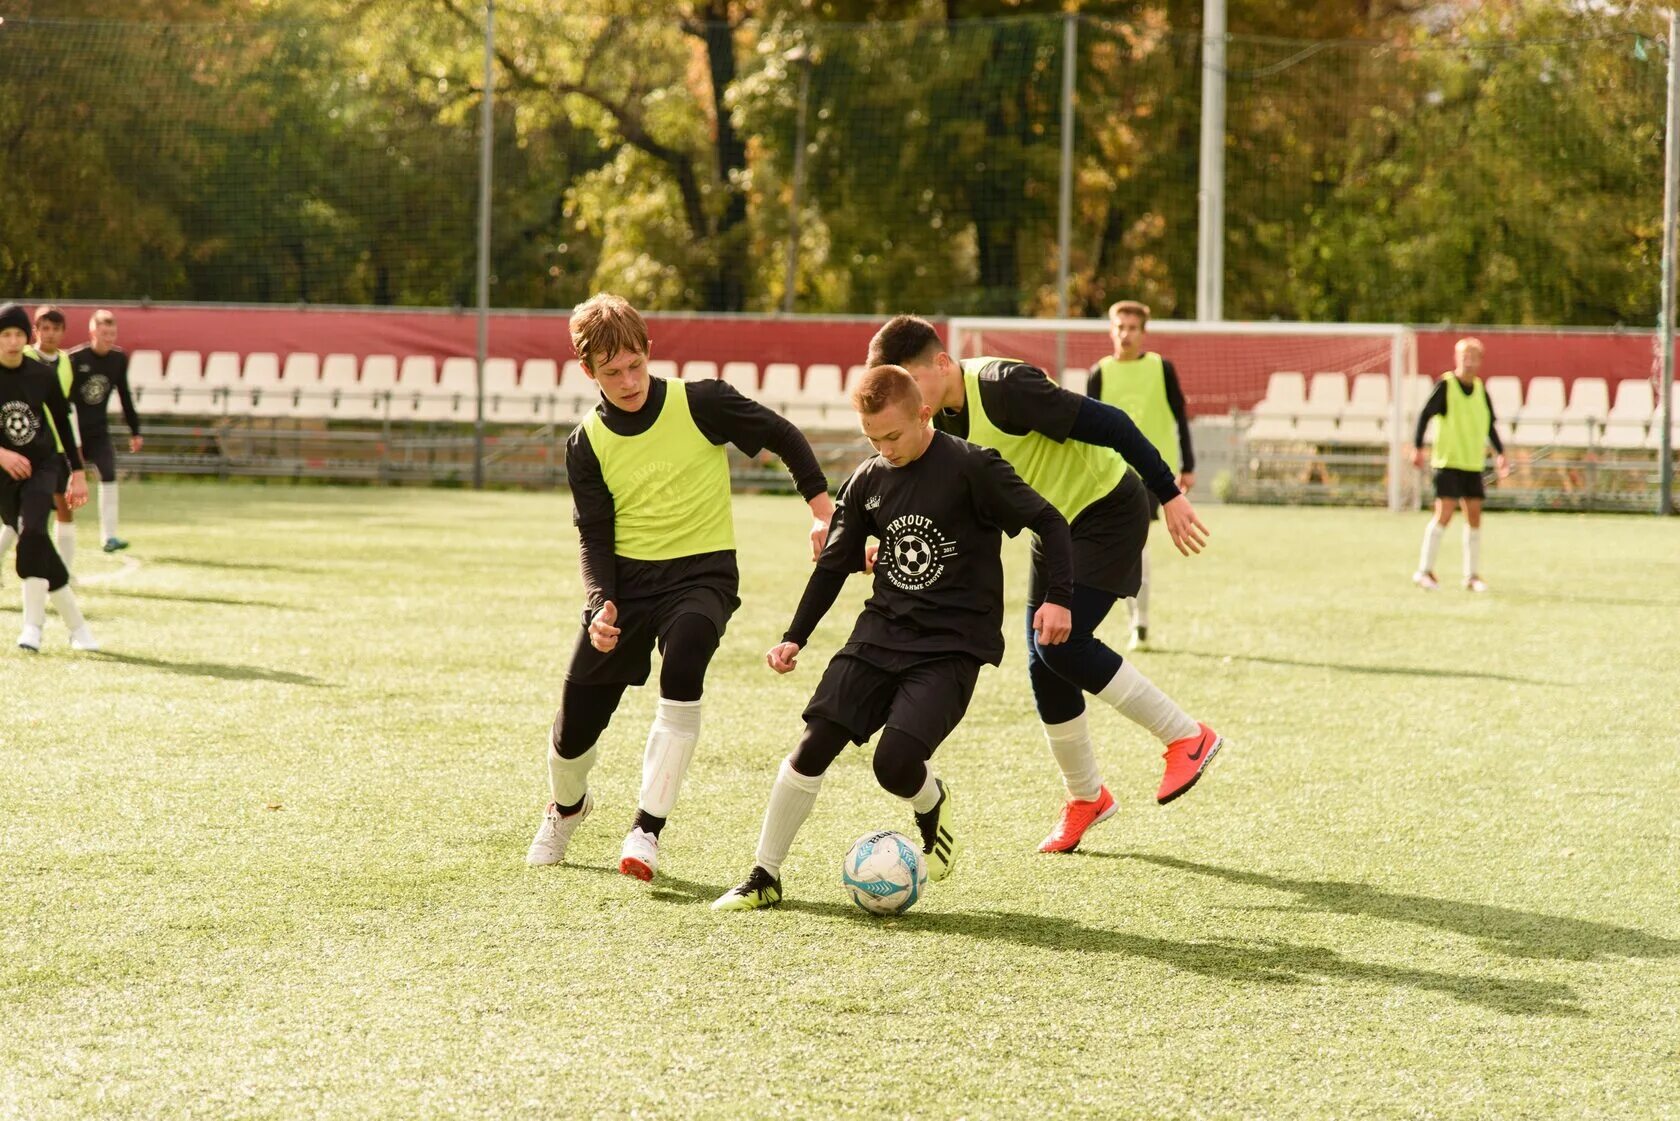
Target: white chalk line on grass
{"points": [[130, 565]]}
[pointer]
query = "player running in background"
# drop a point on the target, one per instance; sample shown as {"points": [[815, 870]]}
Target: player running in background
{"points": [[36, 442], [1069, 449], [1461, 441], [1144, 386], [939, 507], [650, 490], [97, 368]]}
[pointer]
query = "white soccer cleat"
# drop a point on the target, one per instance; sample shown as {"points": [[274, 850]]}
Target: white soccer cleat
{"points": [[82, 639], [1139, 639], [555, 833], [640, 857], [30, 639], [1426, 581], [1475, 584]]}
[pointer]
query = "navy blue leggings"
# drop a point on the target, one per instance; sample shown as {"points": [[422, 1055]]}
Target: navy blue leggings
{"points": [[1062, 674]]}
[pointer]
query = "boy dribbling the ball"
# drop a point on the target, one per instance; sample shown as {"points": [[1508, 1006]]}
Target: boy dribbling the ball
{"points": [[939, 507]]}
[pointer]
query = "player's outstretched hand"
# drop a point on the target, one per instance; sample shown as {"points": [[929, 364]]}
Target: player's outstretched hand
{"points": [[135, 443], [1501, 467], [783, 657], [603, 636], [869, 552], [1187, 530], [1417, 457], [1052, 624], [15, 464], [76, 492], [1186, 480]]}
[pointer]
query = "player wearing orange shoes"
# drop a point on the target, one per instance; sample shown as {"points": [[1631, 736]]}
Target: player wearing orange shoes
{"points": [[1074, 451]]}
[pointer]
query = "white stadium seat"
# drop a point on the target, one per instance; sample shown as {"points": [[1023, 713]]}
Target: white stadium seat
{"points": [[1505, 395], [1286, 394], [1327, 396], [367, 400], [1074, 379], [539, 376], [743, 376], [1542, 409], [501, 375], [853, 373], [1582, 423], [145, 367], [1357, 429], [262, 368], [699, 371], [301, 367], [1368, 399], [1630, 417], [416, 381], [221, 369], [780, 382], [823, 384], [184, 365], [663, 368]]}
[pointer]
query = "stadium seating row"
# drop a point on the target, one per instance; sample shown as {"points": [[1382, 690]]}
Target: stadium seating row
{"points": [[1330, 411]]}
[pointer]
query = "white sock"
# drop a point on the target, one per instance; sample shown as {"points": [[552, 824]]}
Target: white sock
{"points": [[568, 779], [67, 543], [927, 797], [1140, 605], [8, 538], [670, 747], [35, 602], [1472, 552], [65, 601], [1070, 743], [1139, 701], [107, 510], [791, 800], [1431, 546]]}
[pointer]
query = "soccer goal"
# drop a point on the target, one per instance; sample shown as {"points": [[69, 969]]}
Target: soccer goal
{"points": [[1313, 396]]}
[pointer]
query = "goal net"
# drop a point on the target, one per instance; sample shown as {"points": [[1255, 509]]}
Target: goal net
{"points": [[1307, 397]]}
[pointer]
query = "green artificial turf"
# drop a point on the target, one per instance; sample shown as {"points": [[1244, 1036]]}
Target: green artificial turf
{"points": [[264, 856]]}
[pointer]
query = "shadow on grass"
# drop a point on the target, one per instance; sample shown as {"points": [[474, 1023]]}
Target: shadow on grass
{"points": [[1346, 667], [1521, 934], [218, 670], [1240, 961], [238, 566], [210, 601]]}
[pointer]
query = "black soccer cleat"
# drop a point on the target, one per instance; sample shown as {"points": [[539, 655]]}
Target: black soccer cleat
{"points": [[113, 544], [761, 889]]}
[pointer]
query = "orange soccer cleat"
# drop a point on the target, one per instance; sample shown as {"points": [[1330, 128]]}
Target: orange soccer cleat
{"points": [[1187, 759], [1077, 817]]}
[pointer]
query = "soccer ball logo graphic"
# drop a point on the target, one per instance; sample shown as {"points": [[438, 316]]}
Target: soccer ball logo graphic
{"points": [[18, 422], [96, 389], [912, 555]]}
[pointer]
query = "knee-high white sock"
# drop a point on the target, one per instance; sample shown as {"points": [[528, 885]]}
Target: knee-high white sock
{"points": [[1070, 743], [68, 609], [1472, 552], [1431, 546], [670, 747], [67, 543], [568, 779], [8, 538], [1140, 605], [107, 510], [791, 800], [1139, 701], [35, 602]]}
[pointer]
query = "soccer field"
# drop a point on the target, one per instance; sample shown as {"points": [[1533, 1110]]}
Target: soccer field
{"points": [[263, 857]]}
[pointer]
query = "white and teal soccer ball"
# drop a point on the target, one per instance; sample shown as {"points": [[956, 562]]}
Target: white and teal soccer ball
{"points": [[884, 873]]}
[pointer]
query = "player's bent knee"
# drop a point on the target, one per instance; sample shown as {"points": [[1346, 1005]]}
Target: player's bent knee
{"points": [[818, 747], [900, 764]]}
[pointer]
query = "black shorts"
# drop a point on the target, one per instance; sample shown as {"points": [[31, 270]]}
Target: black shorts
{"points": [[1108, 540], [866, 688], [1453, 483], [1154, 507], [642, 625], [99, 453], [28, 503]]}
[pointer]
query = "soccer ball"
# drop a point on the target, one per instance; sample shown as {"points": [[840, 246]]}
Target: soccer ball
{"points": [[884, 873]]}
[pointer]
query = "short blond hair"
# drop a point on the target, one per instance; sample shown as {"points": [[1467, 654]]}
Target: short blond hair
{"points": [[103, 315], [605, 325], [1469, 342], [883, 386], [1129, 307]]}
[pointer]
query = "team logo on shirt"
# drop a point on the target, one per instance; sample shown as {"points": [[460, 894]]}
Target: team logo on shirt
{"points": [[96, 389], [19, 422], [915, 551]]}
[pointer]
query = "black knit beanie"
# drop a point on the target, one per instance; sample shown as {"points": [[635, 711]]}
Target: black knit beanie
{"points": [[13, 315]]}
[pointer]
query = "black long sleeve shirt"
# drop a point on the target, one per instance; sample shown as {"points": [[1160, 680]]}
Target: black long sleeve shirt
{"points": [[938, 581], [724, 416], [1437, 406], [30, 397], [93, 377]]}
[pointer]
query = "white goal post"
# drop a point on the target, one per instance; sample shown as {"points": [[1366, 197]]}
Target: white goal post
{"points": [[1228, 368]]}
